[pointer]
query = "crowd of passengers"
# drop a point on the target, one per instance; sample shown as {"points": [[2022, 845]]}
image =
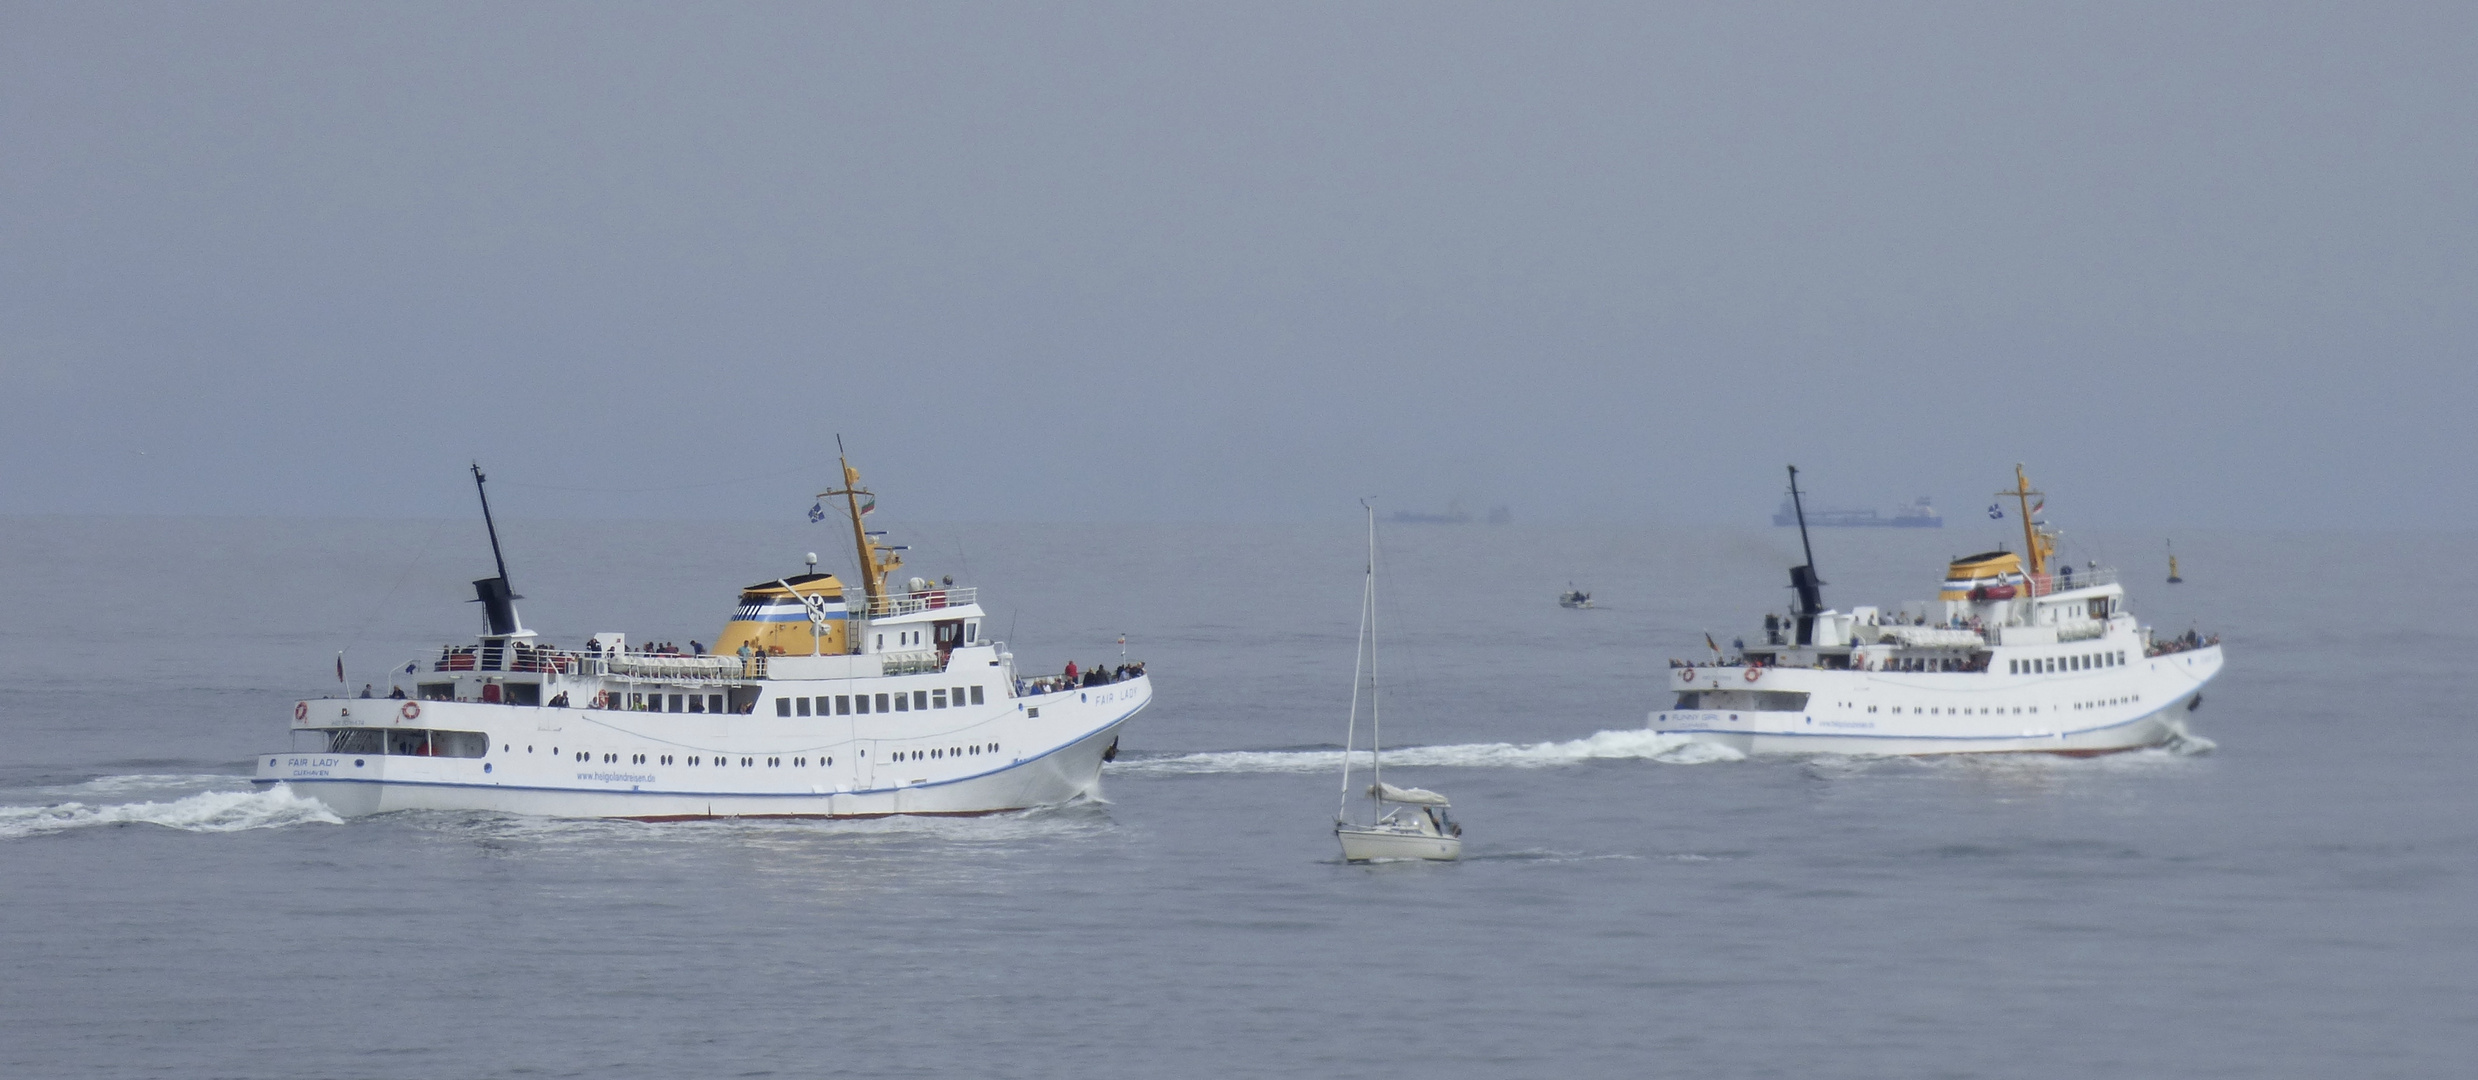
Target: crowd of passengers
{"points": [[1096, 675], [2181, 643]]}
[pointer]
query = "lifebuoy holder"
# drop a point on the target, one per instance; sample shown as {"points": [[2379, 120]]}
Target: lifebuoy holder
{"points": [[412, 710], [301, 710]]}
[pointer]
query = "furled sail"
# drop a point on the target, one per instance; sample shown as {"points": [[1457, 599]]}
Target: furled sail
{"points": [[1413, 796]]}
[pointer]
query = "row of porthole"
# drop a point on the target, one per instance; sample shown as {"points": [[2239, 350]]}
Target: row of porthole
{"points": [[694, 759], [951, 751], [2000, 710]]}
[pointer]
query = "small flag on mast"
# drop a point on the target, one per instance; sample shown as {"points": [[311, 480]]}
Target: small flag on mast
{"points": [[1996, 511], [339, 667], [817, 513]]}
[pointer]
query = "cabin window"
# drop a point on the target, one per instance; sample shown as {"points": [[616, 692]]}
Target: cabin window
{"points": [[800, 763], [437, 691], [934, 753], [843, 705], [825, 706], [976, 695], [714, 702], [774, 763], [666, 759], [861, 704], [881, 703], [881, 646], [748, 762], [696, 703], [937, 698], [678, 703], [903, 702], [920, 699], [804, 706], [783, 707], [694, 760], [957, 696]]}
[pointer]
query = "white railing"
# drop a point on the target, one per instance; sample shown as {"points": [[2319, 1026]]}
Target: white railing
{"points": [[925, 600], [2080, 579]]}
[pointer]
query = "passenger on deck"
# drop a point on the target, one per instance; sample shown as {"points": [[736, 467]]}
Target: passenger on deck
{"points": [[396, 694], [366, 692]]}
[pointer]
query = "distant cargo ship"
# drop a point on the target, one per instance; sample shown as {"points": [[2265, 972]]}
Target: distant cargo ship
{"points": [[1454, 515], [1918, 515]]}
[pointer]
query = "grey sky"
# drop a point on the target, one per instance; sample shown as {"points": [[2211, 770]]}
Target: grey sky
{"points": [[2198, 265]]}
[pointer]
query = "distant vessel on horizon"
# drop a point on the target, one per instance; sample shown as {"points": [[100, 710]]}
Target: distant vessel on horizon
{"points": [[1918, 515], [1454, 515]]}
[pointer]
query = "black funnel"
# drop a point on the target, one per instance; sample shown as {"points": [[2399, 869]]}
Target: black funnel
{"points": [[1810, 601], [498, 604]]}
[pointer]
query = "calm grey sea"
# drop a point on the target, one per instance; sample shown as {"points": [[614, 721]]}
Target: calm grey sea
{"points": [[2299, 901]]}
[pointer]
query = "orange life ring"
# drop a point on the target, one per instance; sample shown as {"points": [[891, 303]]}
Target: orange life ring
{"points": [[301, 710], [1754, 672], [412, 710]]}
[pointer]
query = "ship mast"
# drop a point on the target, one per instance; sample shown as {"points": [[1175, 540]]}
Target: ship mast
{"points": [[1802, 578], [870, 576], [497, 599], [2037, 553]]}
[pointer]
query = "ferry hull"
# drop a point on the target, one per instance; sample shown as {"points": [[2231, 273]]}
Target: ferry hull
{"points": [[2128, 708], [355, 785]]}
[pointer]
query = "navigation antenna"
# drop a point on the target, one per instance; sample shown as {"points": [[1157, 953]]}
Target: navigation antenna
{"points": [[1802, 578]]}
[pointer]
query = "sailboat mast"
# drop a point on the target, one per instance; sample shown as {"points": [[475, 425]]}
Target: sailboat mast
{"points": [[1359, 655], [1376, 725]]}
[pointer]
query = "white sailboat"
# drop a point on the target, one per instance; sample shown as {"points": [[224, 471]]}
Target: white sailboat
{"points": [[1411, 823]]}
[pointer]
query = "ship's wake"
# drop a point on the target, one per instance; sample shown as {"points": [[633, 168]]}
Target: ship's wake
{"points": [[1634, 745], [211, 811]]}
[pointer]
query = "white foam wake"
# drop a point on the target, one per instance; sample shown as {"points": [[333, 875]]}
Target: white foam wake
{"points": [[211, 811], [1639, 745]]}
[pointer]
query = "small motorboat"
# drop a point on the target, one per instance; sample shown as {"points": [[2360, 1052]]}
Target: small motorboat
{"points": [[1574, 598]]}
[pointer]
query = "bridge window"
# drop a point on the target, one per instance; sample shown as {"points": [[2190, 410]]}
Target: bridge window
{"points": [[937, 698], [843, 705], [783, 707], [920, 699], [976, 695], [881, 703], [804, 706], [903, 702]]}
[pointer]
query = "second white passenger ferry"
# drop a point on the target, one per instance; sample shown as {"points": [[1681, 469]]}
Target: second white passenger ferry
{"points": [[2020, 656], [811, 704]]}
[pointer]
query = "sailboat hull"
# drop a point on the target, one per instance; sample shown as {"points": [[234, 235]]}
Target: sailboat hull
{"points": [[1387, 845]]}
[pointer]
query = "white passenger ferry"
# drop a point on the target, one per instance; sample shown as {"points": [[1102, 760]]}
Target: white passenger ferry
{"points": [[811, 704], [2019, 657]]}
